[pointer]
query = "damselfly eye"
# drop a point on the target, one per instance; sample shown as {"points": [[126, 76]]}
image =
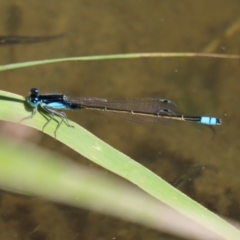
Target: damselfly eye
{"points": [[34, 91]]}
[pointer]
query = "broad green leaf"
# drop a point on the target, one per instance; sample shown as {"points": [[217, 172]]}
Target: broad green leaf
{"points": [[12, 109]]}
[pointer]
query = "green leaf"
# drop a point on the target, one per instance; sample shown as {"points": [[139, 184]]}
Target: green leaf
{"points": [[28, 169], [118, 56], [12, 109]]}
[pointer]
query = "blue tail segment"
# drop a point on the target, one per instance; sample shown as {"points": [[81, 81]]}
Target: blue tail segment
{"points": [[210, 120], [201, 119]]}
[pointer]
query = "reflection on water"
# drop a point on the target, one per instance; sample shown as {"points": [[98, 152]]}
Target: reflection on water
{"points": [[198, 86], [8, 40], [191, 175]]}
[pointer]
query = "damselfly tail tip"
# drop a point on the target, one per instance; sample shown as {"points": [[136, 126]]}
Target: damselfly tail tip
{"points": [[218, 121]]}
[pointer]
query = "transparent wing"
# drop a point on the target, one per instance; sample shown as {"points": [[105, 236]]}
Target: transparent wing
{"points": [[137, 118], [142, 110], [145, 105]]}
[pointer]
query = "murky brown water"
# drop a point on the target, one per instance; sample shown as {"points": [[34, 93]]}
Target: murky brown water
{"points": [[198, 86]]}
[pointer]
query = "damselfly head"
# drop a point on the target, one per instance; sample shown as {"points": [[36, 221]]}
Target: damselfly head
{"points": [[34, 91], [33, 99]]}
